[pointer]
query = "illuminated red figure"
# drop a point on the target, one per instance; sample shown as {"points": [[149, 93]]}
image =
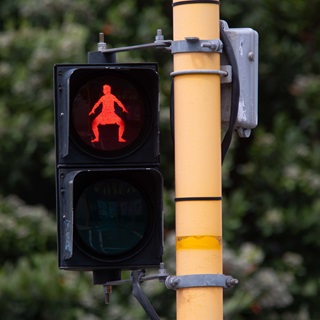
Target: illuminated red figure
{"points": [[107, 114]]}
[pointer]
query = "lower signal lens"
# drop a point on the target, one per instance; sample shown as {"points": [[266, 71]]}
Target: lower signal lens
{"points": [[111, 217]]}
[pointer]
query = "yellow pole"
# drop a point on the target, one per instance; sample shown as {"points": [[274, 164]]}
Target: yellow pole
{"points": [[197, 160]]}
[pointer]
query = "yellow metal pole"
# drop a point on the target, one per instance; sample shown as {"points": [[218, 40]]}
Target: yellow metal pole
{"points": [[197, 160]]}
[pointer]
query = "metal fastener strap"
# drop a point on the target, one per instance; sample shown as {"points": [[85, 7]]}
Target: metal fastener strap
{"points": [[200, 280]]}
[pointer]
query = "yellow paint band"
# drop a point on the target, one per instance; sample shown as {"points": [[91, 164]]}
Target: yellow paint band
{"points": [[198, 243]]}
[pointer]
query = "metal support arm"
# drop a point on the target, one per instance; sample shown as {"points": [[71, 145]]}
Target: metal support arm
{"points": [[140, 296]]}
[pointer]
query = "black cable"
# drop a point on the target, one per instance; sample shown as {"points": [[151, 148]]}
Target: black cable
{"points": [[172, 110], [195, 2], [228, 50]]}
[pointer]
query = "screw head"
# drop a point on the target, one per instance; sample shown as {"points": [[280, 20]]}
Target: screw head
{"points": [[251, 56]]}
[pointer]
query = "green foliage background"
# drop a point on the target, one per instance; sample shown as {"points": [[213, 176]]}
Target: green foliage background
{"points": [[271, 181]]}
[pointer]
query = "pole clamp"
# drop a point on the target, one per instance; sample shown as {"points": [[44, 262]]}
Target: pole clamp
{"points": [[200, 280], [194, 44]]}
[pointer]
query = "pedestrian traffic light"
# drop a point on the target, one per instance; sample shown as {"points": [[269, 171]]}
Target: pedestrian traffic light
{"points": [[109, 188]]}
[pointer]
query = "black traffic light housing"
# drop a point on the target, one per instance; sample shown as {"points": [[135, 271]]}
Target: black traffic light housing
{"points": [[109, 188], [79, 86]]}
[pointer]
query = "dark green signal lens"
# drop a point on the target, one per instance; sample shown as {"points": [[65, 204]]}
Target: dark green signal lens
{"points": [[111, 217]]}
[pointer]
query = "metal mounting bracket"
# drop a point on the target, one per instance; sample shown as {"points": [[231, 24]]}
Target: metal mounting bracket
{"points": [[190, 44], [200, 280], [138, 276]]}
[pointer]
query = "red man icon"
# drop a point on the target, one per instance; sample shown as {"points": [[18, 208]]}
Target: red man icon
{"points": [[107, 114]]}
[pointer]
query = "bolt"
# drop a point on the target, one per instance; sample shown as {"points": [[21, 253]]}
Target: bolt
{"points": [[162, 272], [101, 37], [230, 282], [175, 282], [214, 45], [101, 45], [172, 282], [159, 36], [244, 133], [251, 56], [107, 291]]}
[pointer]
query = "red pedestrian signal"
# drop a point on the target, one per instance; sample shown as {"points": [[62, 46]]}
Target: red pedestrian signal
{"points": [[109, 188], [109, 117], [110, 108]]}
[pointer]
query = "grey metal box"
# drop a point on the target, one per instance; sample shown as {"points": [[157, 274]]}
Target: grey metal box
{"points": [[244, 42]]}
